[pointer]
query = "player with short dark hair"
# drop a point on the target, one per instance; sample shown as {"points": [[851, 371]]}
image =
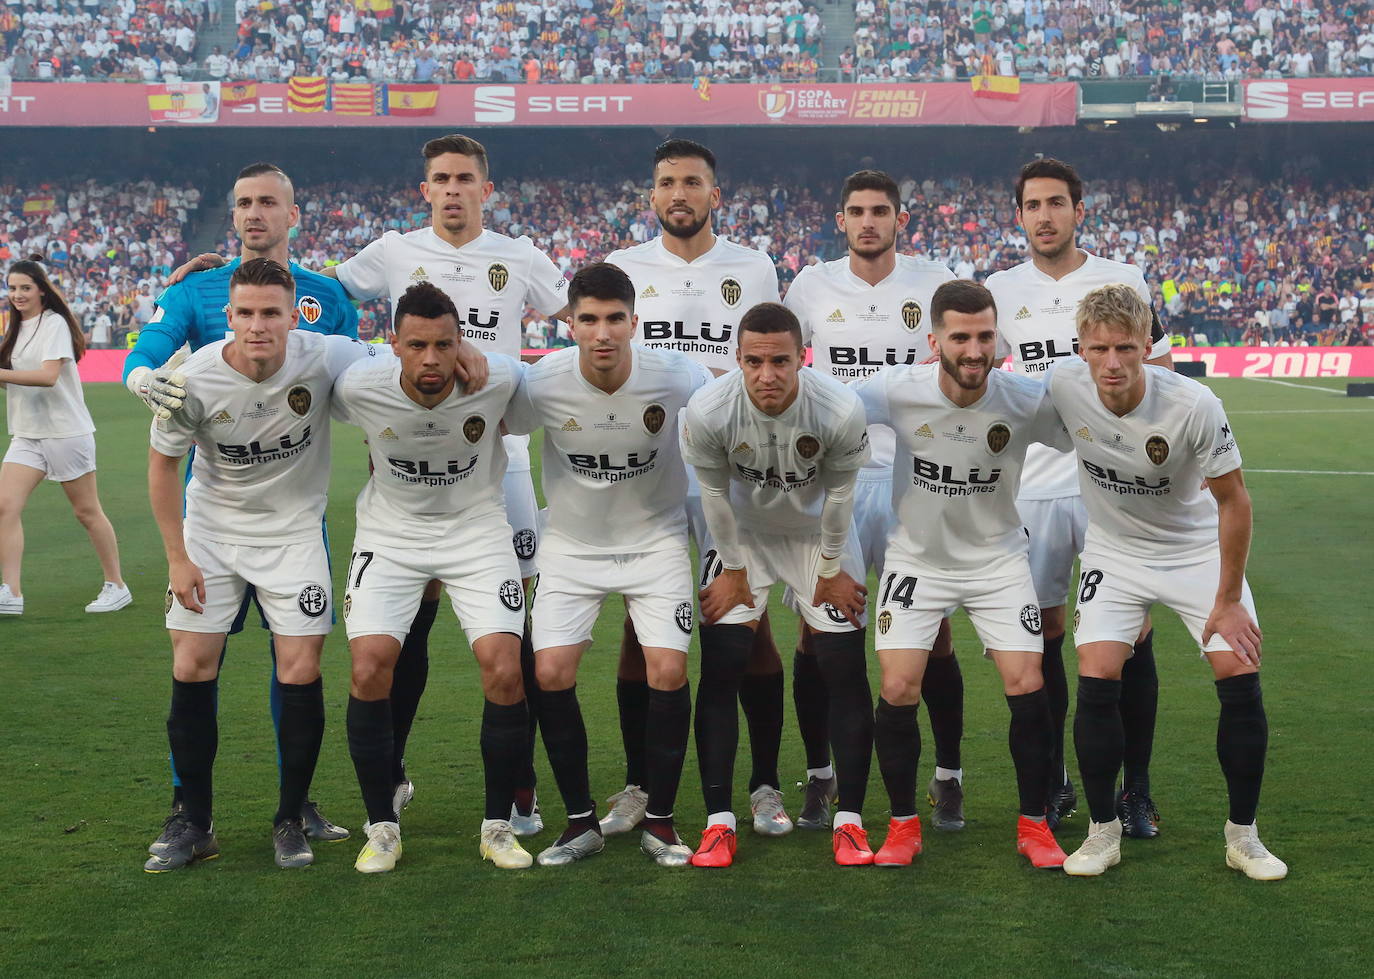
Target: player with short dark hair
{"points": [[962, 428], [615, 485], [1169, 521], [691, 287], [432, 509], [1036, 302], [860, 313], [777, 450]]}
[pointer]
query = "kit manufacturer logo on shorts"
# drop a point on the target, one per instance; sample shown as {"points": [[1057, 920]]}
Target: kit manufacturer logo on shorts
{"points": [[1030, 619], [511, 594], [682, 615], [911, 315], [313, 600], [1157, 449], [654, 416], [310, 309], [298, 399], [731, 291], [497, 276], [884, 621], [474, 428], [999, 435], [807, 446]]}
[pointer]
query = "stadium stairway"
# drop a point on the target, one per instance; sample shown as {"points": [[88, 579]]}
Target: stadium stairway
{"points": [[838, 18], [225, 34]]}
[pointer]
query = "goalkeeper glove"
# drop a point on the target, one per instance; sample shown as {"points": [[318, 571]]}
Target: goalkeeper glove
{"points": [[163, 389]]}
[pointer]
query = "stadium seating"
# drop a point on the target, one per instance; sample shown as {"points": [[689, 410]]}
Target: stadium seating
{"points": [[137, 40]]}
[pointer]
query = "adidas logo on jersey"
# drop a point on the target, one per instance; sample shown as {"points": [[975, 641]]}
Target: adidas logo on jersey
{"points": [[744, 447], [419, 275], [571, 425], [1084, 434], [924, 432], [1023, 313], [649, 293], [835, 317], [388, 435], [223, 418]]}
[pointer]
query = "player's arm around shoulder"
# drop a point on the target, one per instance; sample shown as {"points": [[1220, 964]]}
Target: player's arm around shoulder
{"points": [[1046, 425], [849, 438], [872, 392]]}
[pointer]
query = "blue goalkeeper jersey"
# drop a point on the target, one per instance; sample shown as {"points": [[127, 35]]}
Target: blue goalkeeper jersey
{"points": [[192, 311]]}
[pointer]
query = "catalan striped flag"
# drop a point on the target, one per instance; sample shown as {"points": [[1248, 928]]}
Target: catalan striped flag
{"points": [[305, 93], [238, 93], [412, 100], [1006, 87], [353, 100]]}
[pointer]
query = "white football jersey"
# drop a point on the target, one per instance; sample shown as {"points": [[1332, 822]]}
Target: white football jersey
{"points": [[612, 468], [261, 469], [1035, 327], [1141, 475], [433, 469], [855, 329], [775, 460], [694, 307], [491, 279], [954, 484]]}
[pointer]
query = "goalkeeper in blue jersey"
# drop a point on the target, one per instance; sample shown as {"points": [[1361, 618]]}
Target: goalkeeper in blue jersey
{"points": [[192, 312]]}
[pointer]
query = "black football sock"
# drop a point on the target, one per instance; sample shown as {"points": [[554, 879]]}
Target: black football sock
{"points": [[670, 720], [1057, 690], [632, 696], [177, 798], [408, 680], [810, 700], [942, 691], [1097, 739], [761, 697], [302, 731], [565, 742], [274, 695], [528, 779], [840, 656], [897, 738], [1242, 740], [193, 733], [505, 745], [1139, 704], [725, 651], [370, 733], [1029, 737]]}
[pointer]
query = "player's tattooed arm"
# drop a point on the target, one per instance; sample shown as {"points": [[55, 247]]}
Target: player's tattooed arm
{"points": [[1229, 618]]}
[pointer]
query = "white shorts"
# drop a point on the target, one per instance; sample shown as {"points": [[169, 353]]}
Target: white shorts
{"points": [[385, 583], [658, 588], [1002, 607], [770, 558], [1056, 529], [60, 460], [873, 514], [522, 513], [291, 582], [1115, 594]]}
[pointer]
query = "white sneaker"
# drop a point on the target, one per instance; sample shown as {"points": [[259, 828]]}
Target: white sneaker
{"points": [[1102, 849], [770, 819], [627, 811], [12, 604], [1245, 852], [382, 849], [112, 598], [500, 846]]}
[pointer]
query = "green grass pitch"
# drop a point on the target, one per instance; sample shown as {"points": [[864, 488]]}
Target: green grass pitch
{"points": [[83, 752]]}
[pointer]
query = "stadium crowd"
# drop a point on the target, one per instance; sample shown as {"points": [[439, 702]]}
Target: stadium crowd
{"points": [[107, 247]]}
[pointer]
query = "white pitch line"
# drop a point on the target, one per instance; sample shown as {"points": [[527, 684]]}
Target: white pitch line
{"points": [[1304, 411], [1304, 387], [1310, 472]]}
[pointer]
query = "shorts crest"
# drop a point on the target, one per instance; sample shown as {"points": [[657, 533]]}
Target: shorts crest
{"points": [[1030, 619], [313, 601], [512, 594], [682, 615]]}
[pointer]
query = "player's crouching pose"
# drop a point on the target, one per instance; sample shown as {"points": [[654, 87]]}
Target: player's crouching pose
{"points": [[257, 412], [432, 509], [1146, 440], [962, 430], [777, 450], [616, 522]]}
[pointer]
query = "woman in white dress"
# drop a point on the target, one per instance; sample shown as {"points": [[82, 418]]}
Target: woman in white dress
{"points": [[52, 435]]}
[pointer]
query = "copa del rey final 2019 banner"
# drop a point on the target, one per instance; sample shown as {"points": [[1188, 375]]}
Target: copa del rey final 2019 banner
{"points": [[314, 102]]}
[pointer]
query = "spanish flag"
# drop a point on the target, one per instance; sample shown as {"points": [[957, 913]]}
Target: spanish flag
{"points": [[238, 93], [381, 9], [412, 100], [305, 93], [42, 202], [1006, 87], [352, 100]]}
